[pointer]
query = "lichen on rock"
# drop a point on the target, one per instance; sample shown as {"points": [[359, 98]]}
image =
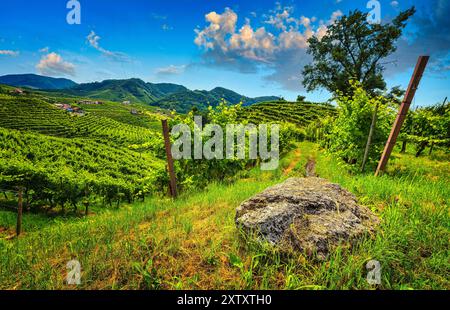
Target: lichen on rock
{"points": [[309, 215]]}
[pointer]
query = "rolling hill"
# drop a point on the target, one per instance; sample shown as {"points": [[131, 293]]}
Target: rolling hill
{"points": [[163, 95], [36, 81], [184, 101]]}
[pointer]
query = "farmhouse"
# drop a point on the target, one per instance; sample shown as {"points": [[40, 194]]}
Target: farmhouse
{"points": [[17, 91]]}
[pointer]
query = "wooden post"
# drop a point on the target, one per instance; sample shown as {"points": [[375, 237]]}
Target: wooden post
{"points": [[19, 214], [173, 180], [410, 92]]}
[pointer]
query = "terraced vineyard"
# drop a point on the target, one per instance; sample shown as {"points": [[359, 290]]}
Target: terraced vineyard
{"points": [[61, 158], [112, 150], [108, 122], [297, 113]]}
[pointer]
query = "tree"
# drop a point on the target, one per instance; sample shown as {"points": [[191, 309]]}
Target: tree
{"points": [[301, 98], [352, 50]]}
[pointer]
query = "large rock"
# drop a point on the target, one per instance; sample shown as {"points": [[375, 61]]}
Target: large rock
{"points": [[310, 215]]}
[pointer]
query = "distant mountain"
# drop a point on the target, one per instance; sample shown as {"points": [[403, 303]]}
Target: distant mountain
{"points": [[201, 99], [131, 89], [168, 88], [163, 95], [36, 81]]}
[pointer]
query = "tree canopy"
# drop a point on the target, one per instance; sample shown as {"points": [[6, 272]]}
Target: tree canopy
{"points": [[352, 49]]}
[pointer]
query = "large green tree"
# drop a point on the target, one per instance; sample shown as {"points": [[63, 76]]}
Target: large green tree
{"points": [[352, 49]]}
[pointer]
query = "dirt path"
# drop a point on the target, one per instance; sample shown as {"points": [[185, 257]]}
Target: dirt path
{"points": [[293, 163]]}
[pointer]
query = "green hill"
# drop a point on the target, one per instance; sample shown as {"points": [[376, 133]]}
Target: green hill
{"points": [[183, 102], [36, 81], [134, 90], [162, 95]]}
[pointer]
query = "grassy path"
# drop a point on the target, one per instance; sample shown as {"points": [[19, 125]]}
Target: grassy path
{"points": [[192, 243]]}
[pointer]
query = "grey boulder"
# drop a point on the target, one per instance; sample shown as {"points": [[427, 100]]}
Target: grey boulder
{"points": [[310, 215]]}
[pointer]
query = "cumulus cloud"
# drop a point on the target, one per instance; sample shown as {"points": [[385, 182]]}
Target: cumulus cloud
{"points": [[9, 53], [53, 65], [280, 44], [171, 70], [93, 40]]}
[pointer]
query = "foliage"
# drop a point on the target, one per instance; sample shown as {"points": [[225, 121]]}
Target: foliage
{"points": [[199, 172], [301, 98], [347, 136], [429, 126], [352, 49], [286, 112], [147, 245], [60, 160]]}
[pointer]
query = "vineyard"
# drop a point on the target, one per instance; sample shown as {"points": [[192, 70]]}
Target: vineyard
{"points": [[95, 187], [298, 113], [105, 123], [60, 159], [110, 155]]}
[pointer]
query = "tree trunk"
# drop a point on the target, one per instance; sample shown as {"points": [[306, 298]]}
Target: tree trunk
{"points": [[403, 150], [369, 138], [6, 196], [422, 147], [431, 148], [19, 214]]}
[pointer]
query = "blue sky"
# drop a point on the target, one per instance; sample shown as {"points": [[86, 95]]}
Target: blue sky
{"points": [[253, 47]]}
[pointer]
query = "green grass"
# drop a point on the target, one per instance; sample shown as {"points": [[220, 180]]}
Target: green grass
{"points": [[192, 242]]}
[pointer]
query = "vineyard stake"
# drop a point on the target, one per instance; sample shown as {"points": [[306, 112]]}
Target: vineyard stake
{"points": [[173, 180], [402, 112], [19, 214]]}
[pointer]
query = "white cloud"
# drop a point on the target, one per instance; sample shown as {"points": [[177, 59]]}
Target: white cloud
{"points": [[394, 4], [44, 50], [53, 65], [171, 70], [280, 45], [259, 44], [94, 39], [9, 53]]}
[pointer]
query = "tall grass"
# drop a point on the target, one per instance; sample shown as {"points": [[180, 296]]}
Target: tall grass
{"points": [[192, 242]]}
